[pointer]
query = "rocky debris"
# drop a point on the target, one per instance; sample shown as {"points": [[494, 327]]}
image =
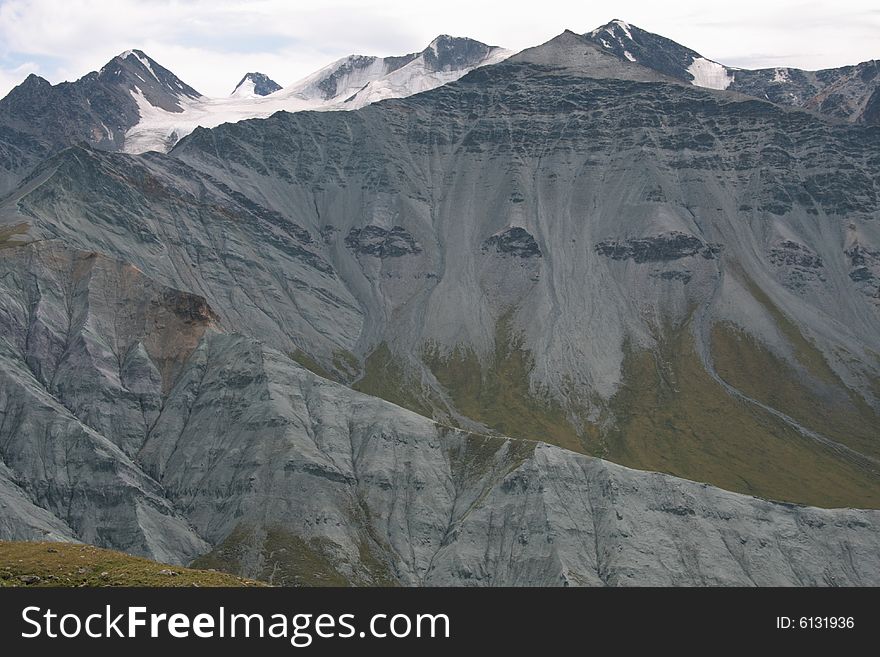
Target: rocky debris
{"points": [[514, 241], [860, 274], [382, 243], [865, 270], [792, 254], [801, 265], [168, 572], [21, 518], [194, 232], [860, 257], [30, 579], [659, 248], [673, 275]]}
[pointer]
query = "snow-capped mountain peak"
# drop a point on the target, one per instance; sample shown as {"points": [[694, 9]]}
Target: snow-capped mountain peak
{"points": [[636, 45], [255, 84], [141, 75], [347, 83]]}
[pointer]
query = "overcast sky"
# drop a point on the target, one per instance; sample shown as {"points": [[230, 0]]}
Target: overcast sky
{"points": [[210, 44]]}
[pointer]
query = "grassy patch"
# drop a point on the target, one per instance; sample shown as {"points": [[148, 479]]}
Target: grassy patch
{"points": [[806, 354], [345, 365], [286, 559], [302, 358], [289, 560], [823, 404], [479, 454], [498, 394], [228, 556], [74, 564], [673, 417], [8, 232], [384, 377]]}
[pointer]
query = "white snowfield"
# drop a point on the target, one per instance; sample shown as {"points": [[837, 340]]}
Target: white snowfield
{"points": [[245, 90], [159, 130], [709, 74]]}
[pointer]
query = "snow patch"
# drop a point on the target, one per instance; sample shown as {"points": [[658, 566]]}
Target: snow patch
{"points": [[709, 74], [625, 27], [629, 55], [143, 60], [605, 43], [781, 75], [247, 89]]}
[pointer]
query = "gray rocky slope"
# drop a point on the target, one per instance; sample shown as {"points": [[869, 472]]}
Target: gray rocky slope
{"points": [[588, 206], [299, 479]]}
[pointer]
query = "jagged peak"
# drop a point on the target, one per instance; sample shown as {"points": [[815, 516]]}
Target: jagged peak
{"points": [[33, 78], [439, 38], [609, 27], [134, 52], [135, 67], [138, 56], [447, 40], [255, 83]]}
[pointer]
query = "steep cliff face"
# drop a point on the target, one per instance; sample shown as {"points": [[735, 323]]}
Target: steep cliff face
{"points": [[85, 344]]}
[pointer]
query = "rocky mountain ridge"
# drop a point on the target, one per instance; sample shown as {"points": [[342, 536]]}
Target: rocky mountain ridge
{"points": [[848, 93], [567, 247]]}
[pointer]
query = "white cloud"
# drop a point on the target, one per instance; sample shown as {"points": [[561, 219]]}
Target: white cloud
{"points": [[211, 43], [13, 76]]}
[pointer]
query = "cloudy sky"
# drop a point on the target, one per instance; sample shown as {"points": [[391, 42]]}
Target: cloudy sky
{"points": [[211, 43]]}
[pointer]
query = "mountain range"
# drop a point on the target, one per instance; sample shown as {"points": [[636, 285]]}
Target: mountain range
{"points": [[599, 312]]}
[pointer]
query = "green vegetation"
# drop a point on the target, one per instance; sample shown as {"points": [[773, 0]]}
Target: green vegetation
{"points": [[346, 366], [310, 364], [8, 232], [498, 394], [289, 560], [384, 377], [814, 397], [74, 564], [228, 555], [479, 455], [669, 414], [673, 417], [806, 354]]}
